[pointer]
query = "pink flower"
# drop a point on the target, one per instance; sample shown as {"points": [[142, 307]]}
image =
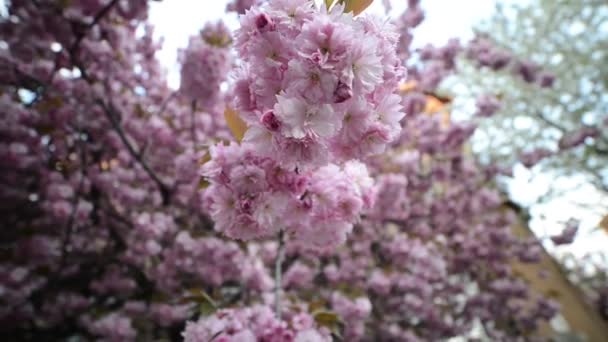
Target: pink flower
{"points": [[240, 6], [487, 105], [303, 153], [326, 42], [308, 80], [270, 121], [568, 233], [309, 335], [246, 179], [367, 66], [271, 210], [205, 66], [390, 113], [356, 121], [264, 23], [302, 119], [250, 324]]}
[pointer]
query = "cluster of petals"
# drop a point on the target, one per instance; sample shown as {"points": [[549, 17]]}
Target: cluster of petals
{"points": [[533, 157], [316, 85], [205, 63], [487, 105], [241, 6], [486, 53], [568, 234], [253, 196], [256, 323]]}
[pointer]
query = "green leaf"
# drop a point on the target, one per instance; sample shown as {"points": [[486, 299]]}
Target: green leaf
{"points": [[316, 305], [206, 305], [206, 309], [328, 4], [203, 183], [331, 321]]}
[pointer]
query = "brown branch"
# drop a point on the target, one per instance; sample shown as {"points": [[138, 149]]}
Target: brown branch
{"points": [[544, 119], [111, 114], [70, 224], [100, 15], [166, 103]]}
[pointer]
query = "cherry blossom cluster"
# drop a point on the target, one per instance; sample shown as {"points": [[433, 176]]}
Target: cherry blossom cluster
{"points": [[253, 196], [205, 63], [487, 105], [256, 323], [241, 6], [531, 158], [310, 92], [486, 54], [316, 86], [568, 141], [568, 233], [408, 21]]}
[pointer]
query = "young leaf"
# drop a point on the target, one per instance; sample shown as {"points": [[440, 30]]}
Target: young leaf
{"points": [[356, 6], [203, 183], [330, 320], [406, 87], [433, 105], [235, 123]]}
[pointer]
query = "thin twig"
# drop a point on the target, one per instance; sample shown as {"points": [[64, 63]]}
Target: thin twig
{"points": [[70, 224], [278, 274], [165, 103], [550, 123], [102, 13], [111, 114]]}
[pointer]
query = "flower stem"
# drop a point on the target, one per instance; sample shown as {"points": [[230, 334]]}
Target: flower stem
{"points": [[278, 274]]}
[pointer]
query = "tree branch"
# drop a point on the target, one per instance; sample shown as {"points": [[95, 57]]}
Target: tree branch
{"points": [[540, 116], [70, 224], [80, 35], [111, 114]]}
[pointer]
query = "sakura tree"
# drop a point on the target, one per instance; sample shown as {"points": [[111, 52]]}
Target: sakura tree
{"points": [[566, 118], [321, 197], [558, 130]]}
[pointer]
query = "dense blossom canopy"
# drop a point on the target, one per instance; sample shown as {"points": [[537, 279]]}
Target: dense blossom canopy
{"points": [[131, 213]]}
